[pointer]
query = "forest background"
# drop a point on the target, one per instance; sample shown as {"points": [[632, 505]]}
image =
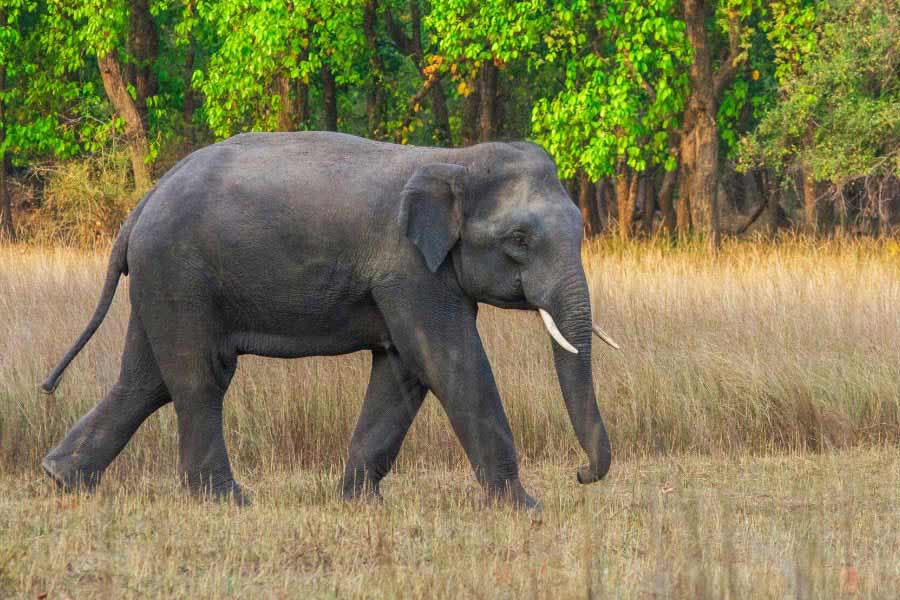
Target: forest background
{"points": [[666, 118]]}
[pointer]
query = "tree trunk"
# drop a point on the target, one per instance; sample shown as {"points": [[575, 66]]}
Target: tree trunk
{"points": [[648, 207], [7, 230], [626, 188], [487, 123], [683, 211], [190, 99], [818, 213], [375, 94], [329, 99], [135, 134], [809, 203], [285, 104], [6, 219], [772, 204], [699, 146], [143, 48], [301, 95], [301, 104], [601, 189], [667, 202], [586, 197], [439, 114], [470, 115]]}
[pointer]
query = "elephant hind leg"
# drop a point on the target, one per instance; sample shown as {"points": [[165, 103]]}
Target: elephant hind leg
{"points": [[197, 369], [392, 401], [98, 437]]}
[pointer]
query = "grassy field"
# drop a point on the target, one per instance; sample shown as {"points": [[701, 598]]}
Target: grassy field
{"points": [[754, 413], [690, 527]]}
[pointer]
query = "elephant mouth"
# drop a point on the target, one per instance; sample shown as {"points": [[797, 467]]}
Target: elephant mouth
{"points": [[508, 304], [515, 299]]}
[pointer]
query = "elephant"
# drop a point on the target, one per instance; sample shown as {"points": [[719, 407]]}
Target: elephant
{"points": [[318, 243]]}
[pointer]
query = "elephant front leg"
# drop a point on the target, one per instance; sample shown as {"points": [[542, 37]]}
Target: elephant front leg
{"points": [[392, 401], [469, 397], [438, 336]]}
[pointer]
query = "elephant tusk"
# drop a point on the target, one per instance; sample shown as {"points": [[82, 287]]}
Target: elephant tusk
{"points": [[604, 336], [554, 332]]}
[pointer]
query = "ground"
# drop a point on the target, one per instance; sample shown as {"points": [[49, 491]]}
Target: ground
{"points": [[800, 526], [754, 413]]}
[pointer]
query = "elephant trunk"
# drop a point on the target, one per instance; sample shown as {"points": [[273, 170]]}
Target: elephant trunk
{"points": [[570, 313]]}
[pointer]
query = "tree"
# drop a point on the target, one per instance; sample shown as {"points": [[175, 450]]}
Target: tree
{"points": [[835, 118], [479, 42], [281, 47], [641, 104], [623, 70], [412, 45], [101, 28], [123, 104], [8, 38], [711, 74], [142, 45], [41, 113], [624, 90]]}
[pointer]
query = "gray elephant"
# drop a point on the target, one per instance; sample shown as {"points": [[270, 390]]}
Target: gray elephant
{"points": [[302, 244]]}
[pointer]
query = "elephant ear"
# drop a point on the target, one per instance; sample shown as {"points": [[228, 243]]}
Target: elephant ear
{"points": [[431, 210]]}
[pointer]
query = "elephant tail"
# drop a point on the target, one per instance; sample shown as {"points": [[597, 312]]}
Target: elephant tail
{"points": [[118, 266]]}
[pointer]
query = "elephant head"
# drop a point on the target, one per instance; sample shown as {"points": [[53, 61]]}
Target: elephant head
{"points": [[514, 238]]}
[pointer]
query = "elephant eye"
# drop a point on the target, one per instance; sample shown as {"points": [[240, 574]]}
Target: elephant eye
{"points": [[515, 245], [519, 239]]}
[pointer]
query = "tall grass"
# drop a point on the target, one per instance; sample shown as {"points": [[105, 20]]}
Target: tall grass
{"points": [[758, 348]]}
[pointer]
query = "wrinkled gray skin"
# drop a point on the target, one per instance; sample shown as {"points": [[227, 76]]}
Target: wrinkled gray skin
{"points": [[303, 244]]}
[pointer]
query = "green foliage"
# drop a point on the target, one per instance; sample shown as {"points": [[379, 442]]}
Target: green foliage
{"points": [[838, 112], [35, 93], [623, 67], [470, 32], [742, 103], [272, 39], [625, 86], [55, 103]]}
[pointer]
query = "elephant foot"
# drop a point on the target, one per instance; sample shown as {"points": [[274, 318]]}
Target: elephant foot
{"points": [[69, 476], [225, 491], [358, 485], [231, 492], [513, 494], [526, 503], [369, 497], [367, 493]]}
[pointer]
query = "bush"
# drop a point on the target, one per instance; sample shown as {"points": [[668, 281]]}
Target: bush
{"points": [[84, 202]]}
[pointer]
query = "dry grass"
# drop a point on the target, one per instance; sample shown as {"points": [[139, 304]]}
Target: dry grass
{"points": [[690, 527], [762, 351]]}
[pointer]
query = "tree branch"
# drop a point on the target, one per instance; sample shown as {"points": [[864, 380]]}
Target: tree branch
{"points": [[647, 87], [732, 62], [756, 214], [433, 77], [395, 31]]}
